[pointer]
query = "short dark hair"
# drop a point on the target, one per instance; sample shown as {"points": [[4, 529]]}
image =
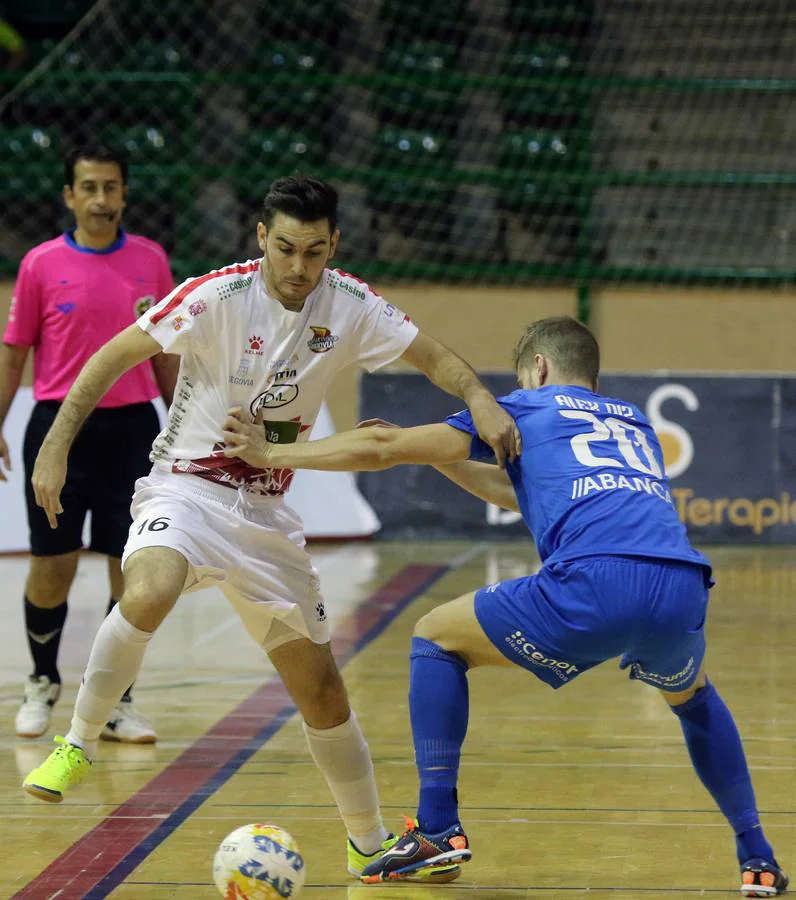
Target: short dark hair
{"points": [[302, 197], [95, 153], [567, 343]]}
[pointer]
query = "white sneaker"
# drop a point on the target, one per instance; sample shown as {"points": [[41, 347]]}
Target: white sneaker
{"points": [[128, 726], [33, 718]]}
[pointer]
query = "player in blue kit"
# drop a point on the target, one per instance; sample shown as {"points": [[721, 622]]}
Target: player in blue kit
{"points": [[619, 578]]}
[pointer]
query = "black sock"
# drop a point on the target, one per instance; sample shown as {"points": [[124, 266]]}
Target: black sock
{"points": [[44, 628], [126, 697]]}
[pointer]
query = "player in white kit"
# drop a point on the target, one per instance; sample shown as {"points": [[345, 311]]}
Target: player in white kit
{"points": [[267, 335]]}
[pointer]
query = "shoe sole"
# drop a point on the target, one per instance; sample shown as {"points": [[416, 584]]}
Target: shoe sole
{"points": [[766, 890], [115, 739], [32, 734], [761, 890], [41, 793], [411, 873], [433, 875]]}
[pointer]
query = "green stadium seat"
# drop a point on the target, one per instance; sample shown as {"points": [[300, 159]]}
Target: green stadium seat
{"points": [[320, 21], [542, 105], [44, 92], [421, 58], [32, 162], [401, 193], [151, 153], [407, 106], [439, 20], [536, 99], [155, 56], [413, 150], [536, 164], [31, 144], [282, 147], [419, 210], [71, 59], [145, 143], [540, 150], [311, 12], [159, 206], [288, 58], [542, 57], [410, 192], [287, 91], [160, 193], [550, 17], [436, 106], [271, 152], [174, 101]]}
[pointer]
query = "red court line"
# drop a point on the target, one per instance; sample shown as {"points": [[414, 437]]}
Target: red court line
{"points": [[194, 776]]}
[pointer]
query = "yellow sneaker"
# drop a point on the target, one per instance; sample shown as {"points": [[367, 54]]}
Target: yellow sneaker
{"points": [[65, 766], [357, 860]]}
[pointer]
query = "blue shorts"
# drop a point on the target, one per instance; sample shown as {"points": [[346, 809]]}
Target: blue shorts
{"points": [[570, 617]]}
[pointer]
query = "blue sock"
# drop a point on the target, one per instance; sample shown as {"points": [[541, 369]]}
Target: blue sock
{"points": [[719, 760], [439, 704]]}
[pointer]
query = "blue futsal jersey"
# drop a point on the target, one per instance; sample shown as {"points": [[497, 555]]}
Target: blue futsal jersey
{"points": [[590, 480]]}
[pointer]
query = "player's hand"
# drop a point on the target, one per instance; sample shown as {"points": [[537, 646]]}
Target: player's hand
{"points": [[372, 423], [496, 428], [245, 440], [5, 459], [48, 479]]}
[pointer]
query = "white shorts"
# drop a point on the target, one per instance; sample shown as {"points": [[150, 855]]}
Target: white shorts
{"points": [[252, 546]]}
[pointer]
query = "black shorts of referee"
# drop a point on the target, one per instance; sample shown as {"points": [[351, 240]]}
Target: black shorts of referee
{"points": [[110, 453]]}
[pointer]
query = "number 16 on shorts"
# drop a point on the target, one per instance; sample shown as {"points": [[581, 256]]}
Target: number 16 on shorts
{"points": [[159, 524]]}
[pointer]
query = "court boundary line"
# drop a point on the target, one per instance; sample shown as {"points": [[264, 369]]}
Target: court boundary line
{"points": [[100, 860], [489, 889]]}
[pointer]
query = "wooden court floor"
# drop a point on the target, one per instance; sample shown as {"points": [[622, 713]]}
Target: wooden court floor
{"points": [[584, 791]]}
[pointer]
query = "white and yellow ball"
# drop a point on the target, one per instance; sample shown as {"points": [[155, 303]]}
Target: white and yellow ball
{"points": [[258, 862]]}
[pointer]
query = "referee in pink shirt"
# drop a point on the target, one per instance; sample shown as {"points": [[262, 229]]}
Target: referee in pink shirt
{"points": [[72, 295]]}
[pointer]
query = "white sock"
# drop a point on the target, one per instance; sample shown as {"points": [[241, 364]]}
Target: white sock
{"points": [[113, 665], [342, 754]]}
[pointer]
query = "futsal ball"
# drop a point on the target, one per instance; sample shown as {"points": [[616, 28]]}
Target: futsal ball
{"points": [[258, 862]]}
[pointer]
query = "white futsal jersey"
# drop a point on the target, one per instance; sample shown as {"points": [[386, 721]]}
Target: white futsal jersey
{"points": [[241, 347]]}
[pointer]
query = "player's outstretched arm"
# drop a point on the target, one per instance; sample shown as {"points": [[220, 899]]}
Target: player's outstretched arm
{"points": [[129, 348], [483, 480], [451, 373], [361, 450]]}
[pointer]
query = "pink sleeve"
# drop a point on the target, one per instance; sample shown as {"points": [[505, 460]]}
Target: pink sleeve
{"points": [[24, 318]]}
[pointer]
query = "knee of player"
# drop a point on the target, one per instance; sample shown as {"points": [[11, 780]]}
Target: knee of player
{"points": [[428, 627], [51, 575], [675, 699], [143, 608]]}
